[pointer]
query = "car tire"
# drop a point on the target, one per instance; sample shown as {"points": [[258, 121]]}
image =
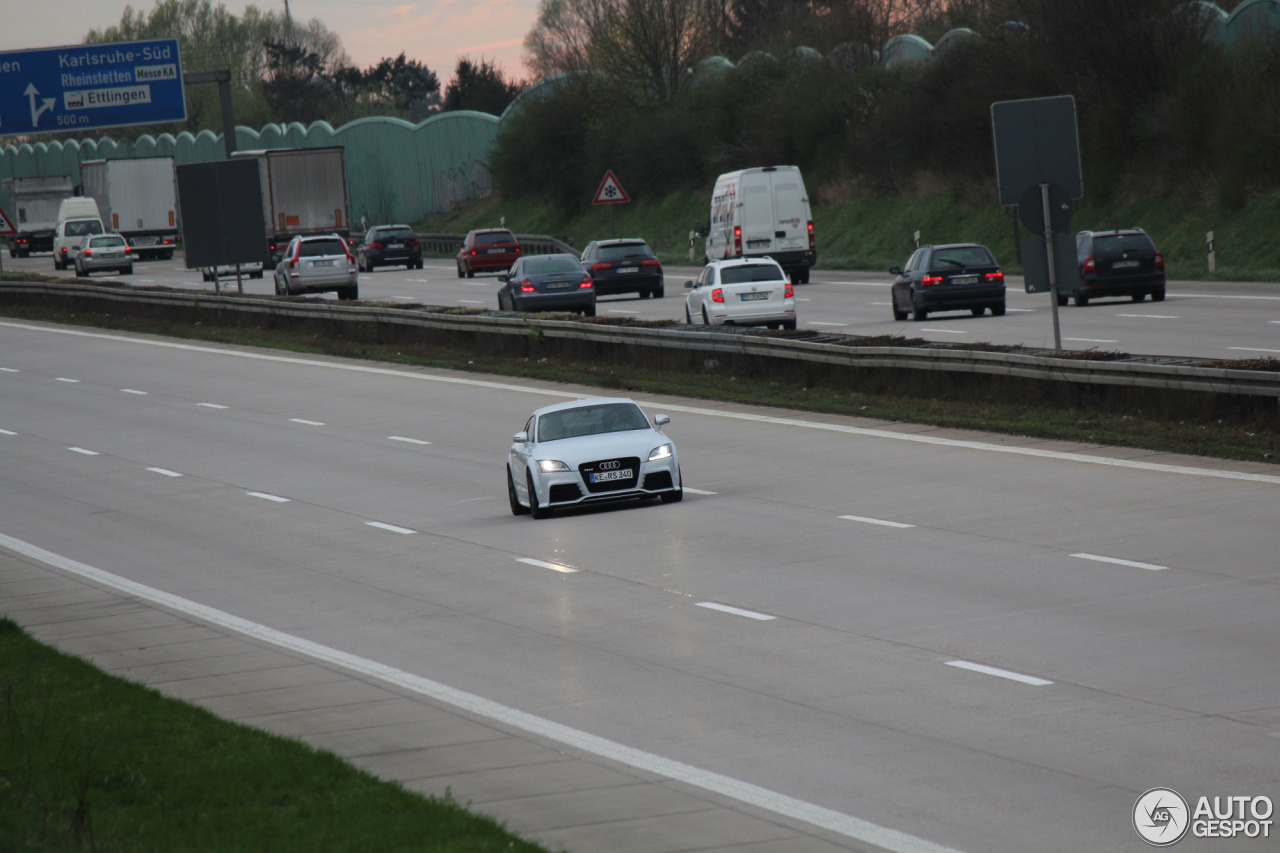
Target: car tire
{"points": [[688, 320], [998, 309], [644, 293], [349, 294], [517, 508], [461, 274], [258, 274], [1157, 295], [418, 264], [898, 313], [1081, 300], [204, 276], [281, 289], [127, 270], [673, 497], [1138, 297], [538, 512], [789, 324], [471, 273], [919, 315], [979, 311], [706, 320], [589, 311], [80, 273], [1062, 301], [166, 256], [659, 293]]}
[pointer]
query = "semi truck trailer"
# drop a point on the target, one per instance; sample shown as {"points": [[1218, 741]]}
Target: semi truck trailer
{"points": [[32, 204], [304, 192], [138, 199]]}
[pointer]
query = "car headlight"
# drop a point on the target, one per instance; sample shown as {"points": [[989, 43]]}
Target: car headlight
{"points": [[546, 466], [663, 452]]}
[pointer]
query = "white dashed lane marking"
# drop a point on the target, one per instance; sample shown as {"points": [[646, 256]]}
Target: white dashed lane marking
{"points": [[945, 331], [1152, 316], [999, 673], [9, 370], [841, 325], [165, 471], [131, 391], [85, 452], [694, 491], [1119, 562], [879, 521], [736, 611], [543, 564], [212, 405], [1092, 340], [391, 527], [409, 440], [308, 423], [267, 497], [6, 432], [65, 379]]}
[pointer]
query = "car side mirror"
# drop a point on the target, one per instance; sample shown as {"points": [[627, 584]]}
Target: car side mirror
{"points": [[661, 420], [689, 284], [895, 271], [700, 230], [520, 437], [504, 277]]}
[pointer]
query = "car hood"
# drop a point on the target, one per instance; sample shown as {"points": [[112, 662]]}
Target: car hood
{"points": [[589, 448]]}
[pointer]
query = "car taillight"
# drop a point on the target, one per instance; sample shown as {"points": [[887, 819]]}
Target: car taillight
{"points": [[789, 291], [64, 250], [88, 253], [931, 279], [1159, 259], [168, 242], [651, 262], [517, 248], [586, 282], [412, 244], [995, 276], [717, 295], [1089, 265], [526, 286], [737, 241], [377, 246], [474, 252], [601, 266], [812, 243]]}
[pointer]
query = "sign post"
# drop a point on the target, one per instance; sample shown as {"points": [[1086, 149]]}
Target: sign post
{"points": [[611, 193], [1037, 149], [88, 86]]}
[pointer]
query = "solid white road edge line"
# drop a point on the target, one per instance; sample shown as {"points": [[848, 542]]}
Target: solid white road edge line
{"points": [[267, 497], [1098, 559], [736, 611], [694, 491], [876, 521], [165, 471], [390, 527], [944, 331], [85, 452], [410, 440], [308, 423], [1252, 349], [824, 818], [542, 564], [693, 410], [1091, 340], [999, 673]]}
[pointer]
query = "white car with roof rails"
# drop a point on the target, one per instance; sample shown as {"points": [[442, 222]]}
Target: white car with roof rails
{"points": [[587, 452], [318, 263], [747, 292]]}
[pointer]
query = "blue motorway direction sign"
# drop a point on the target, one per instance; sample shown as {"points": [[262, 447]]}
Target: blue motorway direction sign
{"points": [[87, 86]]}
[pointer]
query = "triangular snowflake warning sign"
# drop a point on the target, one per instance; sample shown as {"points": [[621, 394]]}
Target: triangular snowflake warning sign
{"points": [[610, 192], [6, 224]]}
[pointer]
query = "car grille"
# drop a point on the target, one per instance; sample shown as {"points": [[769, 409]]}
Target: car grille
{"points": [[657, 481], [562, 492], [588, 468]]}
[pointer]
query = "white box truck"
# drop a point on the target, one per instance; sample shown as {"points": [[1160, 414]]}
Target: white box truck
{"points": [[32, 204], [762, 212], [138, 199], [304, 192]]}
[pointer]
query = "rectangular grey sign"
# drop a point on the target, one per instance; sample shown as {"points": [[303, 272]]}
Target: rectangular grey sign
{"points": [[1036, 142], [1035, 263]]}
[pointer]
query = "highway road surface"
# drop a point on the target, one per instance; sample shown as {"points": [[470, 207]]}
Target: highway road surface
{"points": [[944, 638], [1217, 320]]}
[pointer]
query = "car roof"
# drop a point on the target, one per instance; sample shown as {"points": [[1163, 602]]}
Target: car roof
{"points": [[623, 241], [956, 246], [306, 238], [586, 401], [573, 258], [742, 262], [380, 227], [489, 231], [1117, 232]]}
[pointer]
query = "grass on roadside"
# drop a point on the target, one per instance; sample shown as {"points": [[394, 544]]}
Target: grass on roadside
{"points": [[1255, 442], [93, 762]]}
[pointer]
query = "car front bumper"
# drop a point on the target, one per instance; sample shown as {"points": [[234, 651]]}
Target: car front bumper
{"points": [[567, 488]]}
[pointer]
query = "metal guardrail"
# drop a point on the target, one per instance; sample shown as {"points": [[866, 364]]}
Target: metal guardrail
{"points": [[532, 244], [1168, 376]]}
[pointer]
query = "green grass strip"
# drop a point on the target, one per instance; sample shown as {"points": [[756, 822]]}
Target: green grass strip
{"points": [[93, 762]]}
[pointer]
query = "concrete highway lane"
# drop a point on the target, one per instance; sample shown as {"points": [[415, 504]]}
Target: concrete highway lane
{"points": [[1198, 319], [982, 642]]}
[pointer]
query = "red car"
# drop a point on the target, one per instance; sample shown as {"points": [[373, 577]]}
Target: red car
{"points": [[488, 250]]}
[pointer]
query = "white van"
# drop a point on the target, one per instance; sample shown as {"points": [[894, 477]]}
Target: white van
{"points": [[762, 212], [77, 218]]}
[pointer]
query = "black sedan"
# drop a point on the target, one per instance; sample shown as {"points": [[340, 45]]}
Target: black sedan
{"points": [[624, 266], [389, 245], [547, 283], [954, 277]]}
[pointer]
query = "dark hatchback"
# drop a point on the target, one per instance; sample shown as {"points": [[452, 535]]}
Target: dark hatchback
{"points": [[1117, 263], [488, 250], [547, 283], [955, 277], [389, 245], [624, 266]]}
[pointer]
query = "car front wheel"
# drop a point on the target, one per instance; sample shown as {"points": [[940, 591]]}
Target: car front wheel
{"points": [[517, 508], [538, 512]]}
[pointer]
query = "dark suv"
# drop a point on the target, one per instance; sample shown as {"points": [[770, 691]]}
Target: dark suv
{"points": [[1117, 263], [488, 250], [954, 277], [389, 245], [624, 266]]}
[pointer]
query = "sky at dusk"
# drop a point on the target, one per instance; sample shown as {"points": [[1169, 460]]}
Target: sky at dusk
{"points": [[435, 32]]}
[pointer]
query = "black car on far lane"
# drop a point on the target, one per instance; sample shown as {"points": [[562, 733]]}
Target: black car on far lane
{"points": [[953, 277], [547, 283], [389, 245], [1117, 263], [624, 266]]}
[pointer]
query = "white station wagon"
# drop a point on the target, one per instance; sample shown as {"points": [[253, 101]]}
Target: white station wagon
{"points": [[745, 292]]}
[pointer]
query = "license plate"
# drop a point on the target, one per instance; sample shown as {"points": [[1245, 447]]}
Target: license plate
{"points": [[1121, 265], [109, 255], [610, 476], [751, 297], [145, 241], [395, 245], [559, 285], [496, 251], [964, 279], [758, 244], [322, 263], [628, 269]]}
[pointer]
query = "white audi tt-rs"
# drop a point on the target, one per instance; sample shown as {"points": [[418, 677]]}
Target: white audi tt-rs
{"points": [[590, 451]]}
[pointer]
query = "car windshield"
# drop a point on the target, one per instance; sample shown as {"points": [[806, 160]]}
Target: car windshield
{"points": [[965, 256], [394, 234], [750, 272], [546, 266], [104, 242], [83, 228], [626, 250], [591, 420], [490, 238], [1122, 243], [322, 248]]}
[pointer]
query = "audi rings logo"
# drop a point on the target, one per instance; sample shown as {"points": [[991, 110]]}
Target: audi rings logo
{"points": [[1161, 817], [609, 466]]}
